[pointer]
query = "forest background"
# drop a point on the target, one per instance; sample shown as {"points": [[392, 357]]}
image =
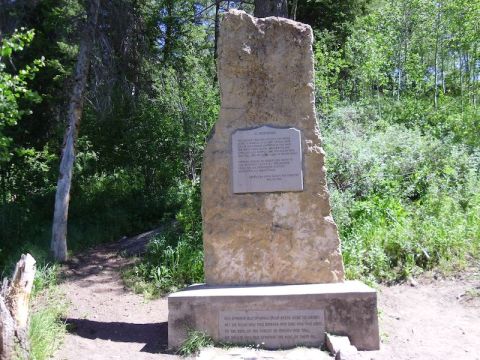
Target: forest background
{"points": [[397, 90]]}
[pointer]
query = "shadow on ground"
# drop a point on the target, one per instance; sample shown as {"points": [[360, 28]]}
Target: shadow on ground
{"points": [[105, 258], [154, 335]]}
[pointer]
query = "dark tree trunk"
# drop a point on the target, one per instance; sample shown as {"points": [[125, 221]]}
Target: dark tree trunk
{"points": [[264, 8], [62, 196]]}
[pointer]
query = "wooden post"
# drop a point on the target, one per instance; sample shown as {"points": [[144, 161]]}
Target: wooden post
{"points": [[14, 300], [7, 332]]}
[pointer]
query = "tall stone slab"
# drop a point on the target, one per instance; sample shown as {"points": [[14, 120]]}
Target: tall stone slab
{"points": [[273, 268], [267, 220]]}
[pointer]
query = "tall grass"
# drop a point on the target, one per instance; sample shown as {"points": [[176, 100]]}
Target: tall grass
{"points": [[174, 258], [172, 261], [47, 329]]}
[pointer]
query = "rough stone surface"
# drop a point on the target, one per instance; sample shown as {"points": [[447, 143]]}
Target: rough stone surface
{"points": [[237, 353], [341, 348], [349, 308], [266, 75]]}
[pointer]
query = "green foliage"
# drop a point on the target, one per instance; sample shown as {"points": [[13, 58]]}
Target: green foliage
{"points": [[13, 87], [397, 88], [403, 201], [196, 340], [400, 98], [142, 133], [171, 263], [47, 328], [174, 258], [22, 169], [333, 16], [46, 277], [329, 64]]}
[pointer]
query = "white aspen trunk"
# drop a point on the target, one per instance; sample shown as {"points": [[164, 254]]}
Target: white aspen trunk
{"points": [[461, 80], [399, 80], [264, 8], [442, 55], [475, 58], [294, 9], [437, 39], [217, 31], [62, 196]]}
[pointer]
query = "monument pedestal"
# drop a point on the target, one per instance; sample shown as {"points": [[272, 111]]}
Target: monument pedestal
{"points": [[279, 316], [265, 205]]}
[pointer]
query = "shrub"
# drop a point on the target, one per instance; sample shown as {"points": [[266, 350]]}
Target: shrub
{"points": [[174, 258], [404, 200]]}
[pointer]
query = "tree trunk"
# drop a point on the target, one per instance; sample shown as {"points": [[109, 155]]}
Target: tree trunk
{"points": [[293, 15], [217, 28], [437, 39], [264, 8], [14, 300], [7, 332], [461, 80], [62, 196]]}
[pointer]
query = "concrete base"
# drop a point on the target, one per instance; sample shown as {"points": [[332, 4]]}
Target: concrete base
{"points": [[279, 316]]}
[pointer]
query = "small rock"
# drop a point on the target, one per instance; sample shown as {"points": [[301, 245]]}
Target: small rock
{"points": [[412, 282], [341, 348]]}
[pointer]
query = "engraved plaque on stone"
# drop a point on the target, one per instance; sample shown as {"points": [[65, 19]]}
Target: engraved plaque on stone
{"points": [[274, 328], [267, 159]]}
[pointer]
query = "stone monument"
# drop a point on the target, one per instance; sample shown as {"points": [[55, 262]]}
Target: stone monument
{"points": [[273, 266]]}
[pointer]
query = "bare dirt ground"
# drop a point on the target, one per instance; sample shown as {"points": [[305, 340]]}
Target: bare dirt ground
{"points": [[106, 320], [436, 319]]}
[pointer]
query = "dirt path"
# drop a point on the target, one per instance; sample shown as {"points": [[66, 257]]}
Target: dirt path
{"points": [[437, 319], [107, 321]]}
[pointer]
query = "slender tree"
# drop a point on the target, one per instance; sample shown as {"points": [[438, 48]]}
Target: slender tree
{"points": [[264, 8], [75, 108]]}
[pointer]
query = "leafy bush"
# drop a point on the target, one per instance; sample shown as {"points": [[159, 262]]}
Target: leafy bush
{"points": [[404, 200], [175, 257], [13, 87]]}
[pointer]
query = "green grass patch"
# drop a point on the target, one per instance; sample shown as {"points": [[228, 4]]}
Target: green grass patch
{"points": [[172, 261], [174, 258], [47, 329], [196, 340]]}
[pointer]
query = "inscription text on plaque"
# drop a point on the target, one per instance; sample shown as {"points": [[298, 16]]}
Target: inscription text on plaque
{"points": [[267, 159], [274, 328]]}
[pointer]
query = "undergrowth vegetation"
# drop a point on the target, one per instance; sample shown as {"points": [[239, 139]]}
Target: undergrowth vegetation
{"points": [[196, 340], [404, 200], [397, 84], [174, 258], [48, 308]]}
